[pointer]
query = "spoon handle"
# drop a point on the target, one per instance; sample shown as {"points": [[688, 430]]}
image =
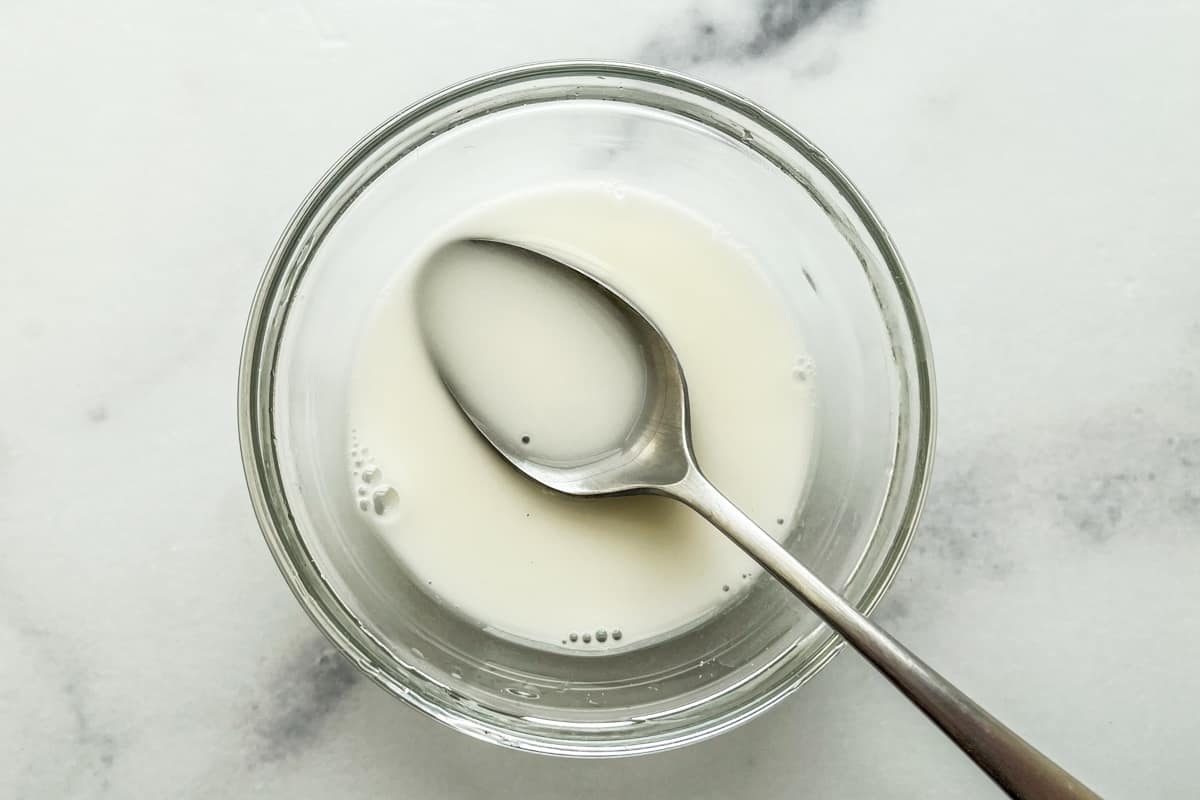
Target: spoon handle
{"points": [[1019, 768]]}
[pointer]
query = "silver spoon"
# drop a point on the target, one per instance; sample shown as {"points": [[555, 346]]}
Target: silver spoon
{"points": [[657, 458]]}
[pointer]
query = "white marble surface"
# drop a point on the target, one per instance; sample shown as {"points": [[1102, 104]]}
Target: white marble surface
{"points": [[1037, 163]]}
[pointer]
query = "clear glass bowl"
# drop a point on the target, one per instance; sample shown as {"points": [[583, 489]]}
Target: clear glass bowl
{"points": [[730, 161]]}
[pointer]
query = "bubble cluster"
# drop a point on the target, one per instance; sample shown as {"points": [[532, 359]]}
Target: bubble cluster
{"points": [[803, 369], [373, 494], [600, 635]]}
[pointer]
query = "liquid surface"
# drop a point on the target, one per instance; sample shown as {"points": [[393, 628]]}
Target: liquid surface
{"points": [[541, 358], [588, 575]]}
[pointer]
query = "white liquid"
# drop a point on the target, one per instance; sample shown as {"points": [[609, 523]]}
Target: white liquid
{"points": [[543, 359], [559, 571]]}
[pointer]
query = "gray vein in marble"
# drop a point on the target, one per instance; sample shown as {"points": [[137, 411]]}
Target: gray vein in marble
{"points": [[1128, 473], [775, 24], [94, 748], [88, 736], [307, 690], [779, 21], [972, 528], [962, 525], [1159, 481]]}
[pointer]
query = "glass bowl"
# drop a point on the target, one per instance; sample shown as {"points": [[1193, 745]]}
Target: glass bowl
{"points": [[730, 161]]}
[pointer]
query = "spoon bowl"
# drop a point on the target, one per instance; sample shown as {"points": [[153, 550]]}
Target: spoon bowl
{"points": [[657, 452]]}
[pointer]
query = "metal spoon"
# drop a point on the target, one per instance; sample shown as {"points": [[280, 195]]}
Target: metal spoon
{"points": [[657, 458]]}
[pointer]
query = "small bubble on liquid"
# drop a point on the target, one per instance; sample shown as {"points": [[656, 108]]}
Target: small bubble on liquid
{"points": [[456, 675], [524, 440], [616, 634], [362, 491], [358, 462], [372, 474], [779, 521], [364, 504], [725, 588], [574, 637], [587, 637], [601, 635], [799, 374], [385, 499]]}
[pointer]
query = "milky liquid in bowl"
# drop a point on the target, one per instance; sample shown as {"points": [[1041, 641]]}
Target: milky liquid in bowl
{"points": [[545, 359], [558, 572]]}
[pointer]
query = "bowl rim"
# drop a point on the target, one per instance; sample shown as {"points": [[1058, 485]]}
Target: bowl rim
{"points": [[256, 387]]}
